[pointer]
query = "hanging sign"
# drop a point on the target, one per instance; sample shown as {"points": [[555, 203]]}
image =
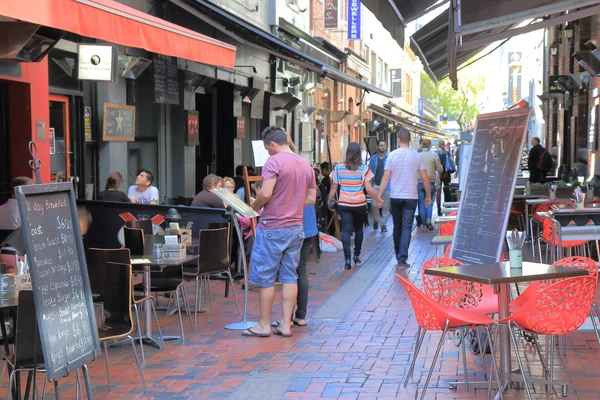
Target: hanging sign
{"points": [[354, 19], [192, 128], [331, 14], [95, 63]]}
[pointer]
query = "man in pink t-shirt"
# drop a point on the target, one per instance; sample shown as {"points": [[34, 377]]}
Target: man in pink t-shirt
{"points": [[288, 186]]}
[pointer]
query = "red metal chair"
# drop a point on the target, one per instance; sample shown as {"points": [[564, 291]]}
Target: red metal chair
{"points": [[547, 238], [458, 293], [558, 309], [434, 316]]}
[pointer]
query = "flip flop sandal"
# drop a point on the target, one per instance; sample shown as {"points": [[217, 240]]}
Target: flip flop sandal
{"points": [[279, 333], [249, 332], [296, 323]]}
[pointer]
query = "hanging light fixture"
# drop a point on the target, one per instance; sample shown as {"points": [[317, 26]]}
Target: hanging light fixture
{"points": [[569, 31], [554, 49]]}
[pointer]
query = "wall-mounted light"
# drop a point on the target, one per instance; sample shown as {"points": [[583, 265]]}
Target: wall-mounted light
{"points": [[554, 49], [569, 31], [325, 95]]}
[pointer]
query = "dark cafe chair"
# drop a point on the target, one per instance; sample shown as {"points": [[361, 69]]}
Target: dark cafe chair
{"points": [[97, 258], [213, 257], [134, 241], [28, 355], [144, 224], [118, 302]]}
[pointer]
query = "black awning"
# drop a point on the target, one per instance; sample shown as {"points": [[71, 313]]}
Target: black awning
{"points": [[431, 42], [311, 46], [483, 22], [413, 9], [386, 13], [255, 37], [283, 101]]}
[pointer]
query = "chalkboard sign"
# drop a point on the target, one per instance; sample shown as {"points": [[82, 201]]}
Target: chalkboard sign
{"points": [[119, 123], [166, 85], [489, 186], [60, 283]]}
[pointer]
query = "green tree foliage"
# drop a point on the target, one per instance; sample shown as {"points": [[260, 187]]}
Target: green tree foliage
{"points": [[462, 104]]}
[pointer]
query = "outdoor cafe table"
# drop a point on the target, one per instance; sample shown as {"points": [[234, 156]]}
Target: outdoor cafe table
{"points": [[155, 265], [501, 276]]}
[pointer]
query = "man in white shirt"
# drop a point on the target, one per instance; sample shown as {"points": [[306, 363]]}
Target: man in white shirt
{"points": [[402, 170], [143, 192], [9, 212]]}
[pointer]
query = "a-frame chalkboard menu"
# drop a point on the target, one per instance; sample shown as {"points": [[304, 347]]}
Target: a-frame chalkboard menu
{"points": [[490, 184], [60, 283]]}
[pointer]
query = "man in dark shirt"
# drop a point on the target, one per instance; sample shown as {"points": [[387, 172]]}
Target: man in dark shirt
{"points": [[206, 198], [239, 177], [535, 175], [325, 171], [377, 167]]}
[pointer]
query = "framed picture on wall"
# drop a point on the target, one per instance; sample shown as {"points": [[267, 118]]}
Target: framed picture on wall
{"points": [[118, 123]]}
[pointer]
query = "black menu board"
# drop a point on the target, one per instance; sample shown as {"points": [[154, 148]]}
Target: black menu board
{"points": [[59, 277], [118, 123], [490, 184], [166, 86]]}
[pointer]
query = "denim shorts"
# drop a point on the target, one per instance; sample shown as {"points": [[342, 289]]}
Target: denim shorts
{"points": [[276, 255]]}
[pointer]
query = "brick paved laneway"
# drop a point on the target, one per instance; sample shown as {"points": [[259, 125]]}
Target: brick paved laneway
{"points": [[363, 354]]}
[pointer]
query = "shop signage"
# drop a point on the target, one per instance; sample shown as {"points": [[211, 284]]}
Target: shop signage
{"points": [[87, 122], [192, 133], [331, 14], [514, 77], [95, 63], [52, 141], [354, 20], [119, 123], [489, 186], [240, 128], [396, 80], [166, 84]]}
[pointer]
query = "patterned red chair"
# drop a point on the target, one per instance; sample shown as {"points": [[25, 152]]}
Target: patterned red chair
{"points": [[434, 316], [558, 309]]}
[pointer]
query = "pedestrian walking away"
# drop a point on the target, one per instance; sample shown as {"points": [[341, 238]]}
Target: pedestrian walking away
{"points": [[402, 170], [352, 177], [433, 166], [377, 167]]}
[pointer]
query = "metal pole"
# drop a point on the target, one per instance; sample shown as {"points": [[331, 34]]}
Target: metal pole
{"points": [[243, 324]]}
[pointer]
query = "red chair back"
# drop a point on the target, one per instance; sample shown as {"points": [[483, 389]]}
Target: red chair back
{"points": [[432, 315], [447, 228], [579, 262], [558, 309]]}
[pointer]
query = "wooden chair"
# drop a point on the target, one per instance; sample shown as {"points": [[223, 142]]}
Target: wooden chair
{"points": [[213, 258], [97, 258], [118, 301]]}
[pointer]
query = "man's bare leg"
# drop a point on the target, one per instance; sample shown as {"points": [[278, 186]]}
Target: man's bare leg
{"points": [[289, 292], [265, 304]]}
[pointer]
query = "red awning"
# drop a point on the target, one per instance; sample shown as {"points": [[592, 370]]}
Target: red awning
{"points": [[116, 23]]}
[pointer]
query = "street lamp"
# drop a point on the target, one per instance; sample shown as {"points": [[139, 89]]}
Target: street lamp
{"points": [[554, 49]]}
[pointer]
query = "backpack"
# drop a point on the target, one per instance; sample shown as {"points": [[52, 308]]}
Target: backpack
{"points": [[545, 161]]}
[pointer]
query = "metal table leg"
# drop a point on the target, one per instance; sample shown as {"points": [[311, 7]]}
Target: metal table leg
{"points": [[505, 358]]}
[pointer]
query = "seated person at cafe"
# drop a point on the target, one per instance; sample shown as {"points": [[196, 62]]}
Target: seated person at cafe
{"points": [[143, 192], [206, 198], [112, 190], [9, 212], [239, 177]]}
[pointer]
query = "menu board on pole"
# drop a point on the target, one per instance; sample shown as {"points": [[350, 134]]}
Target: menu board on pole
{"points": [[59, 277], [489, 186]]}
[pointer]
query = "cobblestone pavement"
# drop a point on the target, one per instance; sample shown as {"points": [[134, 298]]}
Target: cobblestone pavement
{"points": [[359, 349]]}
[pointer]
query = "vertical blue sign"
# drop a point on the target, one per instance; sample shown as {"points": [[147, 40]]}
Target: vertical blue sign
{"points": [[420, 106], [353, 19]]}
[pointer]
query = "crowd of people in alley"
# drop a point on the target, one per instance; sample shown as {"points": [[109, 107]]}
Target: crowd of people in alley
{"points": [[293, 194]]}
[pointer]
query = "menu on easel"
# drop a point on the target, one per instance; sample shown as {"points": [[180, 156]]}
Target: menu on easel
{"points": [[489, 186], [60, 282], [234, 201]]}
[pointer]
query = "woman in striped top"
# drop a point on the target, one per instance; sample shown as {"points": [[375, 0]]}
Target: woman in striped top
{"points": [[352, 178]]}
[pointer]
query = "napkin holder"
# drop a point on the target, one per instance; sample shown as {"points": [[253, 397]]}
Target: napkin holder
{"points": [[173, 252]]}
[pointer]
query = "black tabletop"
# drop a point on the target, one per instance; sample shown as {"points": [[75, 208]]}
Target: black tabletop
{"points": [[497, 273]]}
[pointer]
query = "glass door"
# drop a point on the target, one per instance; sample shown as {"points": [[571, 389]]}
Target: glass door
{"points": [[60, 139]]}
